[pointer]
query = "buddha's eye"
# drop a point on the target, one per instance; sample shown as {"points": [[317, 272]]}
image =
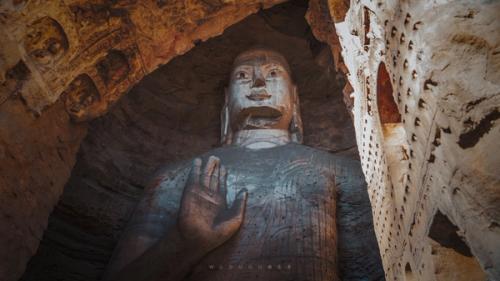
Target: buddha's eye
{"points": [[241, 75], [273, 73]]}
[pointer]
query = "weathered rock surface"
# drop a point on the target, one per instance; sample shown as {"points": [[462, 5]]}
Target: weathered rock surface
{"points": [[433, 172], [77, 58], [428, 132], [173, 114], [36, 158]]}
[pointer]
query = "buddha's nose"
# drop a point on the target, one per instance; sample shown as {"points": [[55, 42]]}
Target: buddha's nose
{"points": [[258, 92], [258, 79], [259, 82]]}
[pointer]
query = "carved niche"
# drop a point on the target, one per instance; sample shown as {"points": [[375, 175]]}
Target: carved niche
{"points": [[45, 42], [80, 98], [113, 68]]}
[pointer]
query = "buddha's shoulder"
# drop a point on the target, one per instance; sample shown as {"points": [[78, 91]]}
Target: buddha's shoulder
{"points": [[181, 166], [309, 150], [172, 171], [292, 151]]}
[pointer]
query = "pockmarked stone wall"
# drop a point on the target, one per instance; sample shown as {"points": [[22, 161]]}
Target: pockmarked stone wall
{"points": [[422, 84], [63, 63], [173, 114], [425, 79]]}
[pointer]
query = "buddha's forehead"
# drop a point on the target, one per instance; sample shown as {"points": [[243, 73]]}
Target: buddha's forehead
{"points": [[259, 57]]}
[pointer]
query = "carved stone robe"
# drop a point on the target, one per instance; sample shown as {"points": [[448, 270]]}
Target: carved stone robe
{"points": [[289, 229]]}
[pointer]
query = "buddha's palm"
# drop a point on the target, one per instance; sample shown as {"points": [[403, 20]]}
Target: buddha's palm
{"points": [[204, 218]]}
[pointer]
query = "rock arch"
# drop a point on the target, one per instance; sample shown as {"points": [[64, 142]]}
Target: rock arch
{"points": [[441, 59], [96, 43]]}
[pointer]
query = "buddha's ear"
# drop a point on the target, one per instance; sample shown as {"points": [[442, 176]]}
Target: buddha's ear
{"points": [[226, 133], [296, 130]]}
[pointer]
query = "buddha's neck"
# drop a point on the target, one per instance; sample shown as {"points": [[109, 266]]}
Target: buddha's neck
{"points": [[261, 138]]}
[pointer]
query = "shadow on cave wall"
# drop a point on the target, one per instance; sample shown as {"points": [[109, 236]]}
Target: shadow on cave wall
{"points": [[173, 114]]}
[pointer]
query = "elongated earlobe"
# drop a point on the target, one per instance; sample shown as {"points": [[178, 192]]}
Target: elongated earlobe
{"points": [[296, 130], [226, 133]]}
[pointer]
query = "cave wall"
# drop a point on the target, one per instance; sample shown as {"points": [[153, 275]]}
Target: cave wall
{"points": [[427, 132], [173, 114], [64, 63], [67, 62]]}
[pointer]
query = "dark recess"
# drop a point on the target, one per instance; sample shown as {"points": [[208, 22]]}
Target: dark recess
{"points": [[444, 232]]}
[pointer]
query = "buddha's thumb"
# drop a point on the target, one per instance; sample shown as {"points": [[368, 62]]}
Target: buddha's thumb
{"points": [[239, 204], [235, 214], [237, 210]]}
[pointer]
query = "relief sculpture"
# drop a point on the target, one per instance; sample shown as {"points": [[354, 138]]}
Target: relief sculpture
{"points": [[261, 207], [45, 41], [80, 96]]}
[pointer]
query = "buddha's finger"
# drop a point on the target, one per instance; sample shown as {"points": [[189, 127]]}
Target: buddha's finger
{"points": [[212, 163], [214, 180], [195, 173], [222, 181], [221, 191]]}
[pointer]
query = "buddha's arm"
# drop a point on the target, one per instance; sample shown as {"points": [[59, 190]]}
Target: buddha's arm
{"points": [[171, 258], [204, 222]]}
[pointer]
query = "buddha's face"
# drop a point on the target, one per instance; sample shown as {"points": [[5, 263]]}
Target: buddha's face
{"points": [[260, 92]]}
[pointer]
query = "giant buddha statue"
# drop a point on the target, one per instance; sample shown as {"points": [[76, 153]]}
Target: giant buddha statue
{"points": [[260, 207]]}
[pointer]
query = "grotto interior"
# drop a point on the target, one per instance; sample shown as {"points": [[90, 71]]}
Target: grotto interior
{"points": [[96, 95]]}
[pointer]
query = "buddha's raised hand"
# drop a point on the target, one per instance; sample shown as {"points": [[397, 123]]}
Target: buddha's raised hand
{"points": [[204, 217]]}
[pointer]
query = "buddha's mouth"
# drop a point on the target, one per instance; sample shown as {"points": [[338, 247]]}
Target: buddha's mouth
{"points": [[257, 117]]}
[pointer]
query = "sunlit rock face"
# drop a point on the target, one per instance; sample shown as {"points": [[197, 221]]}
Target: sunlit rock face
{"points": [[174, 114], [426, 101], [63, 63], [422, 83], [114, 43]]}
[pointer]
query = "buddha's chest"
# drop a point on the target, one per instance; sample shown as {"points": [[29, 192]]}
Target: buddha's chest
{"points": [[289, 229], [281, 183], [278, 177]]}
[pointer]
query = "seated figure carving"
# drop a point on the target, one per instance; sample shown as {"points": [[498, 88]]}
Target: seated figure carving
{"points": [[261, 207]]}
